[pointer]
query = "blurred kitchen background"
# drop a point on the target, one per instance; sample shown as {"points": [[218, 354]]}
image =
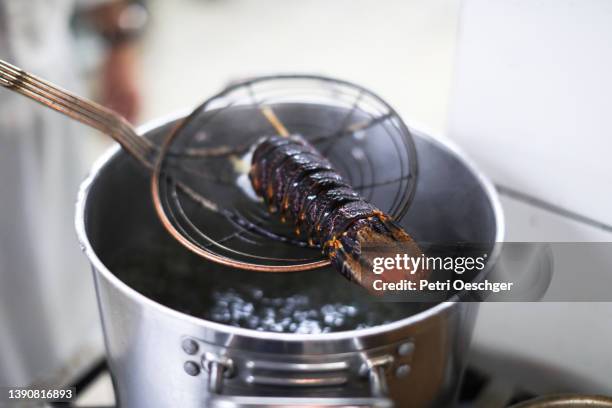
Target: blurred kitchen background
{"points": [[522, 86]]}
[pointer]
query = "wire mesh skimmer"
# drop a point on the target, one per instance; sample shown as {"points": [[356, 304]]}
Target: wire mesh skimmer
{"points": [[200, 185]]}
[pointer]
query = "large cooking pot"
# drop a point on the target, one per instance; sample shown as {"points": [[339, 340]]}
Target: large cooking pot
{"points": [[161, 354]]}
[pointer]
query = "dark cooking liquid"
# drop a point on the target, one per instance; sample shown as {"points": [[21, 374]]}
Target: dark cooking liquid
{"points": [[319, 301]]}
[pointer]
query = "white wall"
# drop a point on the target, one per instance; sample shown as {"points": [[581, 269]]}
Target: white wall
{"points": [[401, 49], [532, 105]]}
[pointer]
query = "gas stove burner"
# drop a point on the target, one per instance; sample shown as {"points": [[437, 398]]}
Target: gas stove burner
{"points": [[478, 390]]}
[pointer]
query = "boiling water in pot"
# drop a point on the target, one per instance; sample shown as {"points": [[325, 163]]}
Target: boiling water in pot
{"points": [[310, 302]]}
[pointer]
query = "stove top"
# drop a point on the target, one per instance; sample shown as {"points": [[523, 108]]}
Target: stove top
{"points": [[478, 390]]}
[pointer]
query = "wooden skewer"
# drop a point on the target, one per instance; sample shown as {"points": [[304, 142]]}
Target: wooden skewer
{"points": [[275, 121]]}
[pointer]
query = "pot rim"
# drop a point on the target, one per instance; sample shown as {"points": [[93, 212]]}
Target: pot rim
{"points": [[87, 248]]}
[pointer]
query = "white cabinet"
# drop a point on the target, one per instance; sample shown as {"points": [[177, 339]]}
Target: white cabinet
{"points": [[532, 98]]}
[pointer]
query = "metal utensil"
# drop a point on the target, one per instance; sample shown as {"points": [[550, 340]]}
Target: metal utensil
{"points": [[200, 168], [363, 137], [78, 108]]}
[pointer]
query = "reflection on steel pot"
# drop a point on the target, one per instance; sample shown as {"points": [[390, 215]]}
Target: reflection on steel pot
{"points": [[157, 302], [567, 401]]}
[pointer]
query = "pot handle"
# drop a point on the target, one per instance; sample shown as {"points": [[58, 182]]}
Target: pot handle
{"points": [[293, 402], [218, 370]]}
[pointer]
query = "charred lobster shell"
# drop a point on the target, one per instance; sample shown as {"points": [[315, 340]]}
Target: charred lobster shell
{"points": [[296, 181]]}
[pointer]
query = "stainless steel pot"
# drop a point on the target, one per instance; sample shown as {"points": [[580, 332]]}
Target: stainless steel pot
{"points": [[160, 357]]}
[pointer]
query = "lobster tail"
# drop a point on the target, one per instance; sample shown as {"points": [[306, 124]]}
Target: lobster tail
{"points": [[297, 181]]}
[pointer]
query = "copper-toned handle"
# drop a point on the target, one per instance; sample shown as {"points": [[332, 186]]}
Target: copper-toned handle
{"points": [[78, 108]]}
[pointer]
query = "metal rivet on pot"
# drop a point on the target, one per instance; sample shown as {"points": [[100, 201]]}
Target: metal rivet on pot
{"points": [[191, 368], [189, 346], [405, 348], [402, 371]]}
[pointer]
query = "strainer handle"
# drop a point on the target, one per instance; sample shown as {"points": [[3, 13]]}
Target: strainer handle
{"points": [[85, 111]]}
